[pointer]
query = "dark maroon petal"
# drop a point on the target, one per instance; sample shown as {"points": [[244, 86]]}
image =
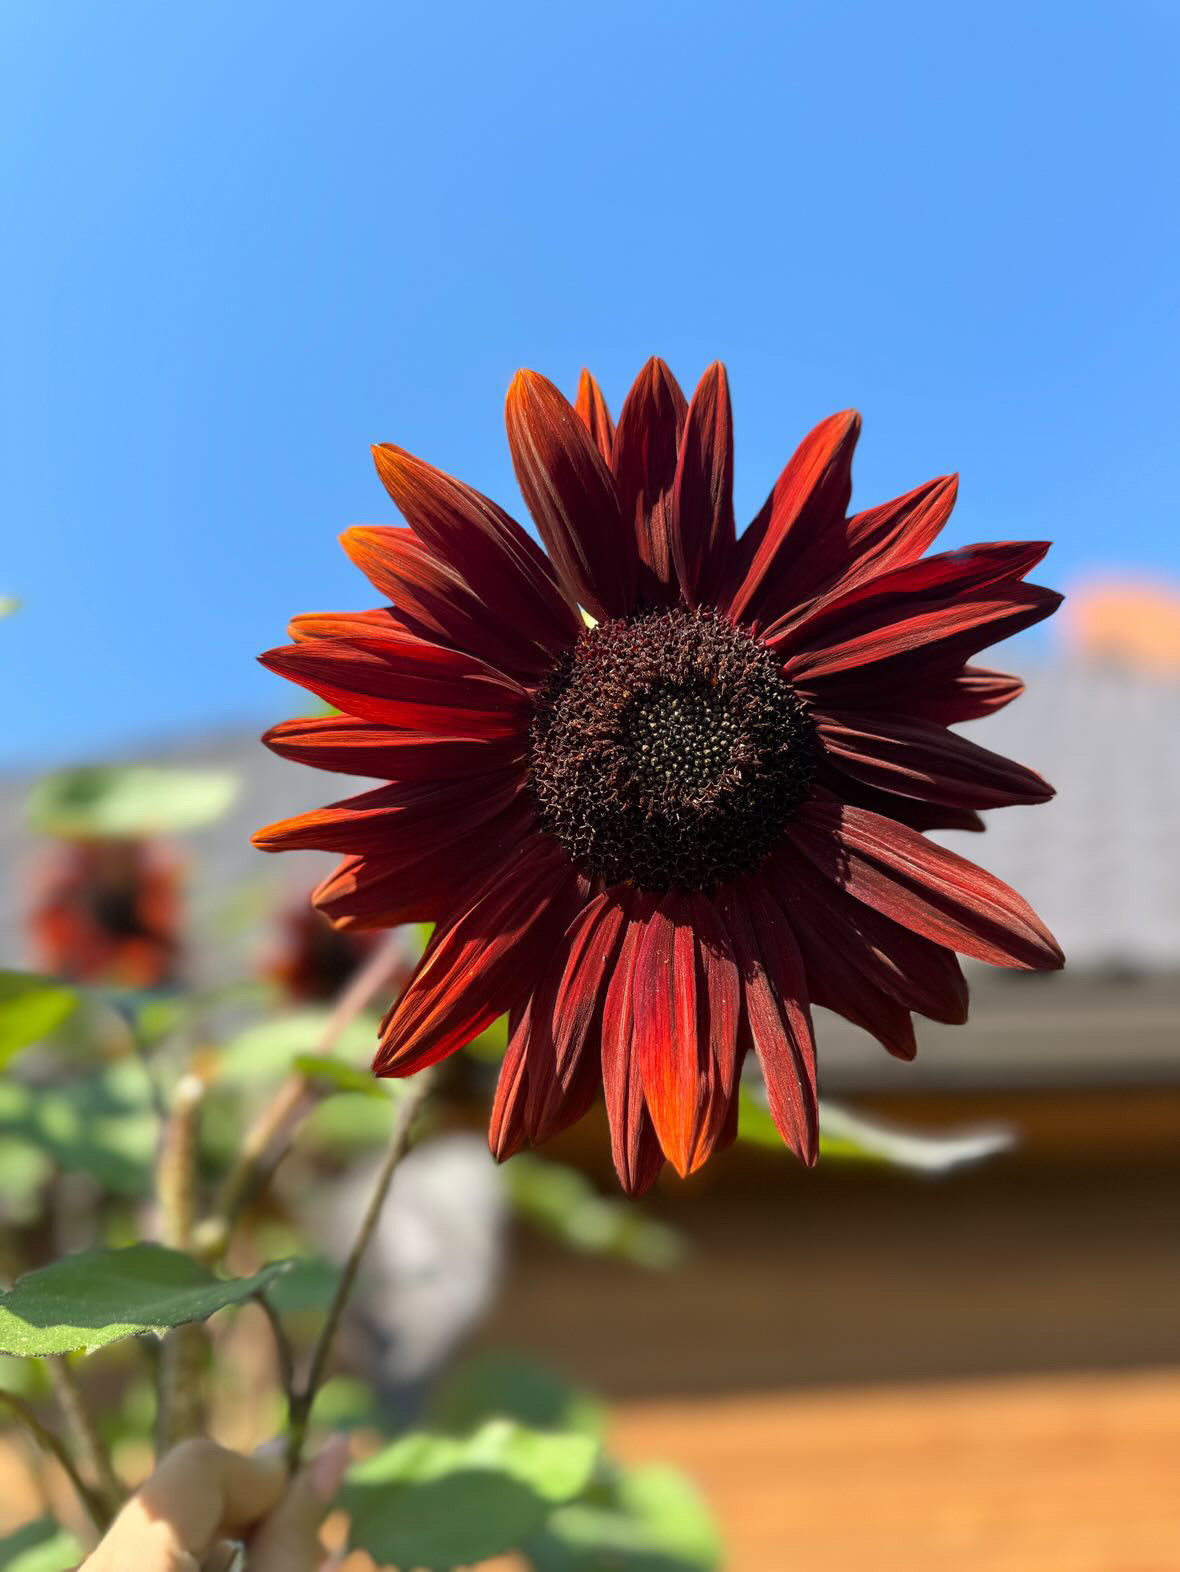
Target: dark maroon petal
{"points": [[437, 603], [963, 695], [804, 514], [831, 781], [919, 759], [703, 527], [592, 410], [903, 592], [377, 890], [506, 1128], [940, 631], [407, 683], [478, 964], [507, 570], [634, 1143], [564, 1073], [922, 886], [911, 971], [776, 1010], [571, 494], [644, 459], [352, 747]]}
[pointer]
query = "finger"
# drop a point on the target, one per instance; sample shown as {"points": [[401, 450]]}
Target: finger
{"points": [[289, 1540], [198, 1493]]}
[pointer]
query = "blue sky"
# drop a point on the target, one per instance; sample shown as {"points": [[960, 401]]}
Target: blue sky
{"points": [[243, 241]]}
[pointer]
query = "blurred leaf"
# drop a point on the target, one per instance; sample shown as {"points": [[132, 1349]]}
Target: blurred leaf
{"points": [[646, 1520], [43, 1546], [8, 604], [436, 1502], [308, 1284], [853, 1138], [102, 1124], [269, 1048], [344, 1403], [122, 801], [564, 1204], [503, 1386], [96, 1297], [344, 1077], [489, 1047], [348, 1122], [31, 1008]]}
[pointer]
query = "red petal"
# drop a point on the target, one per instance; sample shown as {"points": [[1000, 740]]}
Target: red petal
{"points": [[803, 514], [777, 1012], [438, 603], [702, 506], [898, 872], [964, 695], [644, 460], [594, 414], [381, 622], [352, 747], [634, 1144], [918, 759], [379, 891], [674, 1062], [506, 1129], [571, 495], [398, 822], [407, 683], [479, 964], [505, 568]]}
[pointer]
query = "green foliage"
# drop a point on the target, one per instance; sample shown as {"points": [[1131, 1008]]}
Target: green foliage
{"points": [[101, 1123], [8, 604], [438, 1501], [503, 1386], [339, 1075], [640, 1520], [269, 1048], [562, 1202], [85, 1301], [127, 801], [307, 1285], [42, 1546], [31, 1009], [849, 1137]]}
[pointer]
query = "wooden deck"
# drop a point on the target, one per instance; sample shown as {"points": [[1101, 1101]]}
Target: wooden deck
{"points": [[1046, 1474]]}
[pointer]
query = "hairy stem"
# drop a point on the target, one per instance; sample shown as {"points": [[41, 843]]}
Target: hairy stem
{"points": [[180, 1410], [302, 1400], [99, 1510], [76, 1413]]}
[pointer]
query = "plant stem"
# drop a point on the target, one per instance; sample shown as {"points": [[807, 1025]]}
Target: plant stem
{"points": [[184, 1351], [269, 1138], [76, 1412], [98, 1510], [302, 1400]]}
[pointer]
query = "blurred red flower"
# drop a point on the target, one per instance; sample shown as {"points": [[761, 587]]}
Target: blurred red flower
{"points": [[656, 833], [313, 961], [109, 911]]}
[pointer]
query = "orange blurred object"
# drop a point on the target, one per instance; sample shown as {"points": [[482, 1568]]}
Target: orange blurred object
{"points": [[1133, 624], [109, 911]]}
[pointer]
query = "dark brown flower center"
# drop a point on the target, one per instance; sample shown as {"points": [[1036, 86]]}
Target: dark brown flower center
{"points": [[668, 751]]}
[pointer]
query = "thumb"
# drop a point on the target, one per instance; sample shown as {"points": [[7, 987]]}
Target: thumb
{"points": [[289, 1540]]}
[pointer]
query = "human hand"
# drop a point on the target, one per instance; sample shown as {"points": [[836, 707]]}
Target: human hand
{"points": [[202, 1494]]}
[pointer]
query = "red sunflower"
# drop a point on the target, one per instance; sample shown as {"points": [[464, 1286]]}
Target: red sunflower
{"points": [[109, 911], [663, 788], [313, 960]]}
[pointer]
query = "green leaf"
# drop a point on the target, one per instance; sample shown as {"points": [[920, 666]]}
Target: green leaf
{"points": [[43, 1546], [97, 1297], [343, 1077], [308, 1284], [436, 1501], [646, 1520], [270, 1048], [850, 1137], [8, 604], [562, 1203], [128, 801], [502, 1386], [102, 1124], [31, 1008]]}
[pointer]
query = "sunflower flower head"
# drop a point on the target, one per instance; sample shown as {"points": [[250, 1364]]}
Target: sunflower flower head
{"points": [[660, 786]]}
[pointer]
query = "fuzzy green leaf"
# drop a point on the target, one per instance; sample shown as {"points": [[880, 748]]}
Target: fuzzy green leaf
{"points": [[42, 1546], [123, 801], [644, 1520], [31, 1008], [85, 1301], [562, 1203], [437, 1501]]}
